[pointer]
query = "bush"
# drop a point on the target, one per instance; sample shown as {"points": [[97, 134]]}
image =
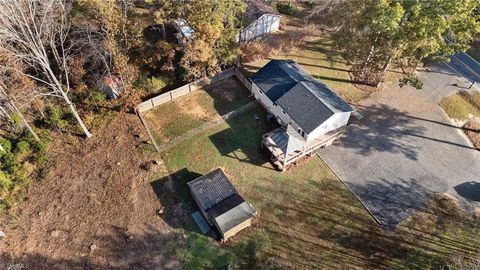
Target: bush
{"points": [[151, 85], [22, 147], [98, 95], [14, 175], [56, 116], [287, 8]]}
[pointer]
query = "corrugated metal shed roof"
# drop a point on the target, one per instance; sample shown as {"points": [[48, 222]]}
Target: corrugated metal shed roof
{"points": [[306, 100], [211, 188]]}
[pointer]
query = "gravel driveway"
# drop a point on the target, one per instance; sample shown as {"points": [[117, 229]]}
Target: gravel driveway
{"points": [[404, 149]]}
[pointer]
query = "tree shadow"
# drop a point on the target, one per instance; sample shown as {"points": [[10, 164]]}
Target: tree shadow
{"points": [[393, 201], [382, 129], [152, 249], [307, 231], [175, 197], [228, 95], [469, 190]]}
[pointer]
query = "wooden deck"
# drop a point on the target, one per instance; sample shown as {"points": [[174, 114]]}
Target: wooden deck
{"points": [[278, 151]]}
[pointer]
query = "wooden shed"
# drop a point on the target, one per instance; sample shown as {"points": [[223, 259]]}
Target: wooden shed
{"points": [[220, 203]]}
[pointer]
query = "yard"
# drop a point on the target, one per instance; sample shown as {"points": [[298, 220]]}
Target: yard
{"points": [[177, 117], [307, 218]]}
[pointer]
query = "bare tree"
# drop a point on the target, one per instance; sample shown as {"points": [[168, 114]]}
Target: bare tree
{"points": [[8, 107], [37, 33]]}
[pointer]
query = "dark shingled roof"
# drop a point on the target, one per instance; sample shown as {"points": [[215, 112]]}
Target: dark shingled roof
{"points": [[219, 200], [257, 8], [307, 101], [211, 188]]}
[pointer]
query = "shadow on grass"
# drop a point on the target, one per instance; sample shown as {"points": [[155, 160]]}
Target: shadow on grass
{"points": [[330, 231], [228, 95], [175, 197], [236, 141], [116, 250]]}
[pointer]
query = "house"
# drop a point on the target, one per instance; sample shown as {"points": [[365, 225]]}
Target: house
{"points": [[111, 85], [311, 115], [260, 19], [220, 204]]}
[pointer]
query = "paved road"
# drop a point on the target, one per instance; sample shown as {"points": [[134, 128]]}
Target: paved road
{"points": [[405, 148], [466, 66]]}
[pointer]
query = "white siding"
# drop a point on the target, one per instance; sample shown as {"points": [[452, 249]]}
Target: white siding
{"points": [[335, 121], [267, 23]]}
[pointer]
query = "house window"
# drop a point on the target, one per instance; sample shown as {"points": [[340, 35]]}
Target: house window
{"points": [[260, 91], [284, 112], [303, 134]]}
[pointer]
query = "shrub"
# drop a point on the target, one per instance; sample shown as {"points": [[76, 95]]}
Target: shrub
{"points": [[14, 175], [98, 95], [22, 147], [56, 116], [287, 8], [472, 98], [151, 85]]}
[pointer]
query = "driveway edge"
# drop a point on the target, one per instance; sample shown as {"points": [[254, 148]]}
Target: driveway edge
{"points": [[351, 191]]}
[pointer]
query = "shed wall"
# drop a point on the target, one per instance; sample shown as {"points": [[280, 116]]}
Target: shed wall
{"points": [[267, 23], [234, 230]]}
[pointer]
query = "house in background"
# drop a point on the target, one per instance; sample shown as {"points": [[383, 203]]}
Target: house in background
{"points": [[311, 115], [260, 19], [220, 204]]}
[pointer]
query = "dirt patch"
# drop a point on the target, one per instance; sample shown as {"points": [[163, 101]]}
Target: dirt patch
{"points": [[472, 129], [95, 207]]}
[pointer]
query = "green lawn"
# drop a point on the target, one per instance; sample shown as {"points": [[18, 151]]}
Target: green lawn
{"points": [[462, 104], [324, 64], [185, 113], [307, 218]]}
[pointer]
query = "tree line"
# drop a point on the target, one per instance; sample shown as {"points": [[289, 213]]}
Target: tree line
{"points": [[49, 47], [374, 34]]}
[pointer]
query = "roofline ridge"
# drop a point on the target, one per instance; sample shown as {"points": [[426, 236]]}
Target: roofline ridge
{"points": [[319, 98]]}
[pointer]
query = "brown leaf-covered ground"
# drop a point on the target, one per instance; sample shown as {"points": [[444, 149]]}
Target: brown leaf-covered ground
{"points": [[94, 208]]}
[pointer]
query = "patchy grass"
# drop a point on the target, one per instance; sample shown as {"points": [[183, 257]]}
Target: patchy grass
{"points": [[460, 105], [307, 218], [174, 118], [323, 63]]}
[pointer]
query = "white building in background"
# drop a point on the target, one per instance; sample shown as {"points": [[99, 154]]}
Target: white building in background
{"points": [[260, 19]]}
